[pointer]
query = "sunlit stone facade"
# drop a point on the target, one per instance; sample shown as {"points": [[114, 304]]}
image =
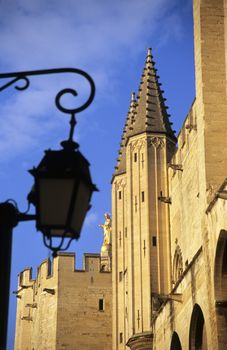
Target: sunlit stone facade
{"points": [[170, 210], [65, 308], [169, 227]]}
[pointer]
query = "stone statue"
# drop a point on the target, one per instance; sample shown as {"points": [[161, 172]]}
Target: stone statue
{"points": [[106, 229]]}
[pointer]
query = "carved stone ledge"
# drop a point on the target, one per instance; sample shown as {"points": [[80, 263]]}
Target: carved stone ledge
{"points": [[221, 303], [166, 200], [191, 127], [49, 290], [26, 318], [141, 341], [34, 305], [176, 166]]}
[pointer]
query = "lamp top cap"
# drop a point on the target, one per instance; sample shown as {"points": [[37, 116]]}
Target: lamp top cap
{"points": [[64, 164]]}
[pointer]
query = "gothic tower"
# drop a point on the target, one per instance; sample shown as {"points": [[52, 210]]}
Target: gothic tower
{"points": [[140, 214]]}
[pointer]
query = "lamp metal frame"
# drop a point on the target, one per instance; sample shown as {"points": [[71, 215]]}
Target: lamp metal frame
{"points": [[10, 216]]}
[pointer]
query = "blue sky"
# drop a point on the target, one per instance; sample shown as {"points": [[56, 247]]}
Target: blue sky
{"points": [[108, 39]]}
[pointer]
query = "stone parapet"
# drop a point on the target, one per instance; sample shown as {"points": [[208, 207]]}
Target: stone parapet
{"points": [[63, 300]]}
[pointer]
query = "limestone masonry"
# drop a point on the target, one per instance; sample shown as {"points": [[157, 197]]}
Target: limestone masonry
{"points": [[65, 308], [169, 228]]}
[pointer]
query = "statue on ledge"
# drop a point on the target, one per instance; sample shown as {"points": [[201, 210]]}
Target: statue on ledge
{"points": [[106, 229]]}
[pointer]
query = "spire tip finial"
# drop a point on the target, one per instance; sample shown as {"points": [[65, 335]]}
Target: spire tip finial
{"points": [[149, 51]]}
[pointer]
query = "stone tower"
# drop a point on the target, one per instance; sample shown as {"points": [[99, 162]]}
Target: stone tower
{"points": [[140, 213]]}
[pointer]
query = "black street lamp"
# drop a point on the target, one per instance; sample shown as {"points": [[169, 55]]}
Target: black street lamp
{"points": [[61, 193]]}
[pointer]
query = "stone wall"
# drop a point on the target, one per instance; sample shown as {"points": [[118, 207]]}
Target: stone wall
{"points": [[198, 213], [64, 308], [37, 308]]}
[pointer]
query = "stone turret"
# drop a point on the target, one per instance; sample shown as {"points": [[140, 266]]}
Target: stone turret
{"points": [[140, 200]]}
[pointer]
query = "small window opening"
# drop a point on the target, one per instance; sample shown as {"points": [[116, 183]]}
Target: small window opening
{"points": [[144, 248], [121, 337], [120, 276], [49, 268], [21, 279], [101, 305], [136, 204], [142, 160], [135, 157], [154, 241], [142, 196], [138, 318], [119, 195], [120, 238]]}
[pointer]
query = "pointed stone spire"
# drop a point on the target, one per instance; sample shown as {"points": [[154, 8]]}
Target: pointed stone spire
{"points": [[132, 112], [130, 120], [146, 114], [151, 112]]}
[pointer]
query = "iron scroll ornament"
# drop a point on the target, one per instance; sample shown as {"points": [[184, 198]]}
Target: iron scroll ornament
{"points": [[67, 145], [18, 76]]}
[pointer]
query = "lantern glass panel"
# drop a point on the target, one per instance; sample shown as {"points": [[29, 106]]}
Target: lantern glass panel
{"points": [[55, 199], [80, 206]]}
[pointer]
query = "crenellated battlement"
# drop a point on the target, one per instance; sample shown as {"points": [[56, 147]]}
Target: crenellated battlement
{"points": [[59, 270], [25, 277], [64, 261], [189, 124], [60, 290], [185, 138]]}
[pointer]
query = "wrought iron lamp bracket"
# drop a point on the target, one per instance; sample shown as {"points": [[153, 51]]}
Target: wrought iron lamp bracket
{"points": [[24, 76], [10, 216]]}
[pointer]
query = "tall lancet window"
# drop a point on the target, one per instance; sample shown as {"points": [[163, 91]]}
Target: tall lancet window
{"points": [[177, 264]]}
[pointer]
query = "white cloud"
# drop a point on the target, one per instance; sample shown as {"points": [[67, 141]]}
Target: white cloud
{"points": [[74, 31], [96, 35], [91, 220]]}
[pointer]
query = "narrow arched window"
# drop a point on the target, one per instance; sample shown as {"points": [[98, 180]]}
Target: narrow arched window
{"points": [[175, 343], [197, 334]]}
